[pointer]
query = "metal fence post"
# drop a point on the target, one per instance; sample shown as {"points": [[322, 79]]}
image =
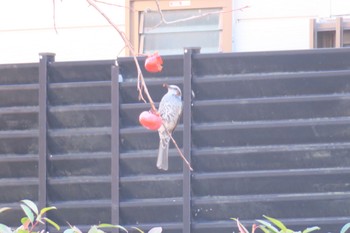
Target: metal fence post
{"points": [[187, 142], [45, 59], [115, 145]]}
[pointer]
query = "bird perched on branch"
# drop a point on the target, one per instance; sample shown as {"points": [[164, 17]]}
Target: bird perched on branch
{"points": [[170, 108]]}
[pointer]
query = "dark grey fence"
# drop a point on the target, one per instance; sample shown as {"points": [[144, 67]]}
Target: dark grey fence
{"points": [[266, 133]]}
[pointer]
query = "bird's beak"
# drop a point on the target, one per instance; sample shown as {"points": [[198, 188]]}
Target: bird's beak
{"points": [[165, 85]]}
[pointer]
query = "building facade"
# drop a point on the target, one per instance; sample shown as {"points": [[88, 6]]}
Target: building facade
{"points": [[76, 31]]}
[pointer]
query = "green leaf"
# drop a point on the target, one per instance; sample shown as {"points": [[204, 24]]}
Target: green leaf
{"points": [[46, 209], [3, 209], [72, 229], [268, 225], [107, 225], [345, 228], [94, 229], [69, 231], [28, 213], [55, 225], [22, 231], [138, 229], [277, 223], [5, 229], [264, 229], [43, 211], [156, 230], [310, 229], [31, 205], [24, 220]]}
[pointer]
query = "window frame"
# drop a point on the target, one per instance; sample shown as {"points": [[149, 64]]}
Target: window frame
{"points": [[337, 25], [134, 7]]}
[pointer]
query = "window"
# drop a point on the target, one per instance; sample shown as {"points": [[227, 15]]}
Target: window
{"points": [[332, 33], [212, 31], [346, 38]]}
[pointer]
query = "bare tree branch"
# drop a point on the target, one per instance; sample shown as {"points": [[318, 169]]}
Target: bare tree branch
{"points": [[164, 21], [178, 149], [141, 85]]}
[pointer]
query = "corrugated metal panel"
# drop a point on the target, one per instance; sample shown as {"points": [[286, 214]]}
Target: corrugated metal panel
{"points": [[268, 133]]}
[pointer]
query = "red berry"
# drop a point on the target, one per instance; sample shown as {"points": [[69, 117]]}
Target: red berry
{"points": [[150, 120], [154, 63]]}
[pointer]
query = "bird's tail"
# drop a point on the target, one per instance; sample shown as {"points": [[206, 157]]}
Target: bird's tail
{"points": [[162, 161]]}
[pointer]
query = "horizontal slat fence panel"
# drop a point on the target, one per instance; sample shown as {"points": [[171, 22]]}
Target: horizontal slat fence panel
{"points": [[19, 107], [270, 136], [267, 133]]}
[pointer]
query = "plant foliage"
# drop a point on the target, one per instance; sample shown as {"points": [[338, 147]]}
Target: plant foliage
{"points": [[35, 221], [273, 225]]}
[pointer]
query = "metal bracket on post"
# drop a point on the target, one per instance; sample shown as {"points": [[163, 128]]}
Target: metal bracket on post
{"points": [[187, 141], [45, 59], [115, 146]]}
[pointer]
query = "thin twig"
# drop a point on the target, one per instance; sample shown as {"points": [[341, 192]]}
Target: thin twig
{"points": [[121, 50], [178, 149], [163, 20], [141, 85], [181, 154], [113, 4], [54, 15]]}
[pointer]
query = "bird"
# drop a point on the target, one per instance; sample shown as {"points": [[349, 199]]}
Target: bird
{"points": [[170, 109]]}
